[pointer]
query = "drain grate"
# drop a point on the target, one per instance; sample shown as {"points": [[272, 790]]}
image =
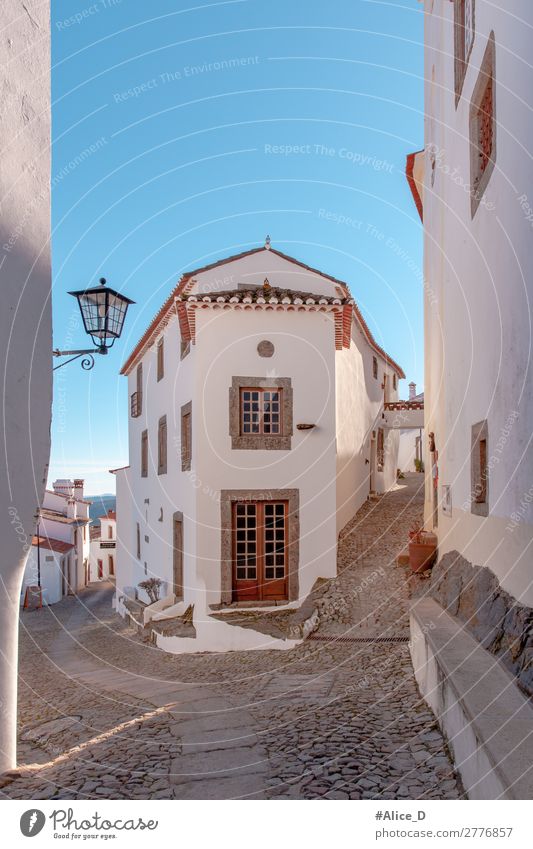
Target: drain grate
{"points": [[319, 638]]}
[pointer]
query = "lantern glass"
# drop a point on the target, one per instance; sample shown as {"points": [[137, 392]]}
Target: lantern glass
{"points": [[103, 311]]}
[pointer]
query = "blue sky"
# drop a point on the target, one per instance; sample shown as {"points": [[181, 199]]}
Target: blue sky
{"points": [[185, 132]]}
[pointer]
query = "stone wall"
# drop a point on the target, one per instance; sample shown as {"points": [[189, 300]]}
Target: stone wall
{"points": [[502, 625]]}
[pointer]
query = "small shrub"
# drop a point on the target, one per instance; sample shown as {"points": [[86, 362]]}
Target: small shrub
{"points": [[152, 587]]}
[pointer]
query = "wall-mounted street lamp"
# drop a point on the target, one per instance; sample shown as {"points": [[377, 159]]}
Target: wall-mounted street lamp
{"points": [[103, 311]]}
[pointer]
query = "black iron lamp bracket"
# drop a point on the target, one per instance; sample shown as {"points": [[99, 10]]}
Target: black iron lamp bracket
{"points": [[87, 362]]}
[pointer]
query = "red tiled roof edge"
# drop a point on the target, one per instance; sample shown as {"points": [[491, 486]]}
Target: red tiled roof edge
{"points": [[409, 173], [52, 544], [185, 278]]}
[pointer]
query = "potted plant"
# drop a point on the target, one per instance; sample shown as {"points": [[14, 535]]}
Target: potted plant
{"points": [[422, 548], [152, 586]]}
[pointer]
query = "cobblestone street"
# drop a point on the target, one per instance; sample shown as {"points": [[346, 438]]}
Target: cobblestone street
{"points": [[103, 714]]}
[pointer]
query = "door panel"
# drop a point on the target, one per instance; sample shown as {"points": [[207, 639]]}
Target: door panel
{"points": [[260, 556]]}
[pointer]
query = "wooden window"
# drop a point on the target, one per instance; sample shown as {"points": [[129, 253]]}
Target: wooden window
{"points": [[160, 359], [177, 564], [84, 533], [144, 454], [186, 437], [480, 469], [109, 532], [100, 569], [481, 487], [137, 397], [162, 446], [483, 127], [380, 455], [138, 541], [111, 565], [260, 411], [394, 381], [464, 20], [375, 367], [260, 550]]}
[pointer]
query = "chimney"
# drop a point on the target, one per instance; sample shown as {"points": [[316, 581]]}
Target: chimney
{"points": [[63, 486], [412, 390], [72, 512], [78, 488]]}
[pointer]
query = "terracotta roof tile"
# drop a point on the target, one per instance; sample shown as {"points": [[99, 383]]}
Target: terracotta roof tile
{"points": [[51, 544], [168, 308]]}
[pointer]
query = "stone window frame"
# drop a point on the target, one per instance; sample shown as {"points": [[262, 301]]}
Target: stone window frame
{"points": [[487, 74], [479, 478], [227, 498], [162, 448], [261, 441], [375, 367], [461, 56], [186, 440]]}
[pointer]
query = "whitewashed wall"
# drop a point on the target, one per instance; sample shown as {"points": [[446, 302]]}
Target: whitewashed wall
{"points": [[479, 292], [51, 574], [25, 316]]}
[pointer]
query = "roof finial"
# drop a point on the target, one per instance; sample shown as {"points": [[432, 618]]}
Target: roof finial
{"points": [[267, 243]]}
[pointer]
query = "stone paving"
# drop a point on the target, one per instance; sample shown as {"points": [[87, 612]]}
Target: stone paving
{"points": [[105, 715]]}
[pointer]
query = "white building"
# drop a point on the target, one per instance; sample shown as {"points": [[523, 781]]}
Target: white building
{"points": [[255, 433], [60, 546], [47, 567], [25, 317], [412, 447], [473, 184], [103, 548]]}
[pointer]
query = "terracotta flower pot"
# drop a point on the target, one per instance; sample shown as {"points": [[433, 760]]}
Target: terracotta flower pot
{"points": [[422, 554]]}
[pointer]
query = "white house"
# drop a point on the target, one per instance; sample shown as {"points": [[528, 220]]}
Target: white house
{"points": [[103, 548], [60, 548], [473, 186], [47, 568], [255, 433], [412, 447]]}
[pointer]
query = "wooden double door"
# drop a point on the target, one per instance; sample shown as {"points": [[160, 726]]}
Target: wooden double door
{"points": [[260, 550]]}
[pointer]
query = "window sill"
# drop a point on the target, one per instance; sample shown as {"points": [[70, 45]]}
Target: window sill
{"points": [[261, 442]]}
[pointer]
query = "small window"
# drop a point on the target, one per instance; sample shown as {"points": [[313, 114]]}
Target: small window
{"points": [[109, 532], [480, 469], [160, 359], [84, 533], [186, 437], [162, 446], [380, 453], [260, 411], [185, 347], [375, 367], [137, 397], [464, 12], [144, 454], [138, 541], [483, 127], [394, 382]]}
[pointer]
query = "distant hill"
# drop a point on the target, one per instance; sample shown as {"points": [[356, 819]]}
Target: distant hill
{"points": [[101, 504]]}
